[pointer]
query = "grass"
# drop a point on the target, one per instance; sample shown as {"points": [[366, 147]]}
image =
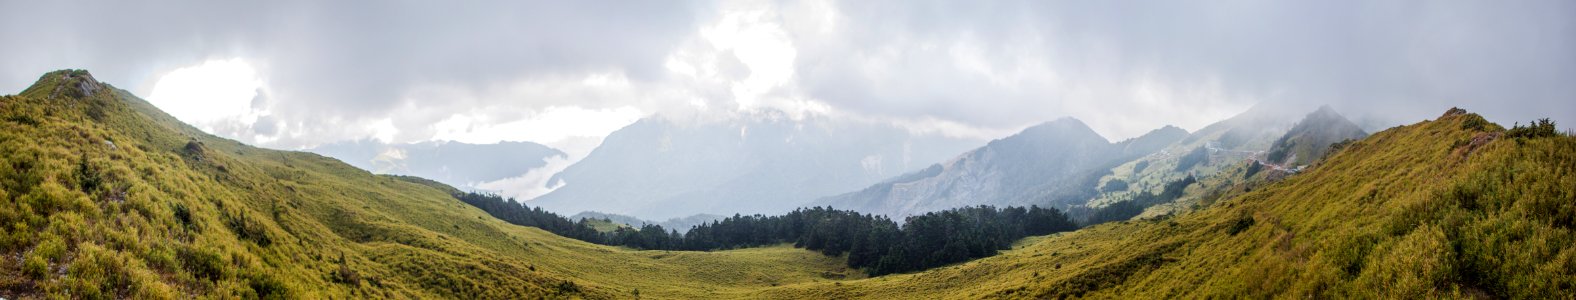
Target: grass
{"points": [[106, 197], [1430, 210]]}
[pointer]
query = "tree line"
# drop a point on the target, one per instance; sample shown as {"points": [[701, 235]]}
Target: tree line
{"points": [[874, 243], [1124, 210]]}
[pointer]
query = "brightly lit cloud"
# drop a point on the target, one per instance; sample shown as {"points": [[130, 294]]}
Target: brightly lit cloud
{"points": [[934, 67], [551, 125], [209, 93]]}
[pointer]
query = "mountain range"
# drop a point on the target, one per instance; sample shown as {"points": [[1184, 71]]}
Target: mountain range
{"points": [[1051, 164], [659, 169], [105, 196]]}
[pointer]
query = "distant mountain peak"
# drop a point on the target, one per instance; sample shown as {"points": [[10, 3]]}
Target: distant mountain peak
{"points": [[1167, 129], [1064, 127], [1311, 137]]}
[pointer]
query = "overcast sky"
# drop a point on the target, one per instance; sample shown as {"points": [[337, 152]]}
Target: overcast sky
{"points": [[291, 74]]}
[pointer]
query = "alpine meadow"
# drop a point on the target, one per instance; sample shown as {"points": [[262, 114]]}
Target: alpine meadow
{"points": [[705, 149]]}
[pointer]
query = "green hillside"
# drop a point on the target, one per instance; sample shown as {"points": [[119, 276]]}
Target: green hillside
{"points": [[1456, 207], [106, 197]]}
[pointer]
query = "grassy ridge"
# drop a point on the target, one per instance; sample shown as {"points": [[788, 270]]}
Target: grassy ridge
{"points": [[1445, 208], [106, 197]]}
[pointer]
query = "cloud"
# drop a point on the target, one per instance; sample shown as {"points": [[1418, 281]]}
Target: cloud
{"points": [[501, 70], [348, 63], [1129, 67]]}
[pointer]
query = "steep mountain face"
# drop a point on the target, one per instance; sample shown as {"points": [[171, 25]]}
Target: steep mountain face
{"points": [[656, 169], [1051, 164], [1451, 208], [1312, 137], [1211, 149], [452, 163], [103, 196]]}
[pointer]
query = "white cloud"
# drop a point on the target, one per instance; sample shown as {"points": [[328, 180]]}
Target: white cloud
{"points": [[551, 125], [955, 66], [533, 183], [209, 93]]}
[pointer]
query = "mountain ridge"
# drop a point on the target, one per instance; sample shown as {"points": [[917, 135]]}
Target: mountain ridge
{"points": [[105, 196], [658, 169], [1048, 164]]}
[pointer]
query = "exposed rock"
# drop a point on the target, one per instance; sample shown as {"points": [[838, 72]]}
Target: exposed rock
{"points": [[1454, 111], [1477, 141], [77, 84]]}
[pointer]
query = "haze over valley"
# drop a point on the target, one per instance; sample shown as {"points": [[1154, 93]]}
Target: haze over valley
{"points": [[787, 150]]}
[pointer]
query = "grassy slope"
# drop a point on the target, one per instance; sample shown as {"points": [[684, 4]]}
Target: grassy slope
{"points": [[1408, 211], [1414, 211], [86, 219]]}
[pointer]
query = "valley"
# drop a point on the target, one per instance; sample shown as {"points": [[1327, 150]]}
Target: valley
{"points": [[107, 197]]}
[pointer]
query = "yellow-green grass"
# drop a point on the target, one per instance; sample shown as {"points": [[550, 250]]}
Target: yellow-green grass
{"points": [[96, 188], [1437, 209], [1445, 208]]}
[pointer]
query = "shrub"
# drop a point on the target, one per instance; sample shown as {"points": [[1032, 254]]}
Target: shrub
{"points": [[247, 228], [184, 215], [35, 266], [268, 287], [201, 263], [1536, 129], [1239, 225], [1475, 123], [52, 248], [347, 276]]}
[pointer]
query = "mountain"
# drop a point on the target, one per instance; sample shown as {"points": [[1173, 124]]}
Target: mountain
{"points": [[104, 196], [657, 169], [1050, 164], [452, 163], [1456, 207], [1214, 148], [682, 225], [1312, 137]]}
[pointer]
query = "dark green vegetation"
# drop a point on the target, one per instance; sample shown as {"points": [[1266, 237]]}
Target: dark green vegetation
{"points": [[106, 197], [103, 196], [874, 243], [1121, 211], [1451, 208]]}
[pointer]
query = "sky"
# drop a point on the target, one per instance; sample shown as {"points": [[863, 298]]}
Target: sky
{"points": [[296, 74]]}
